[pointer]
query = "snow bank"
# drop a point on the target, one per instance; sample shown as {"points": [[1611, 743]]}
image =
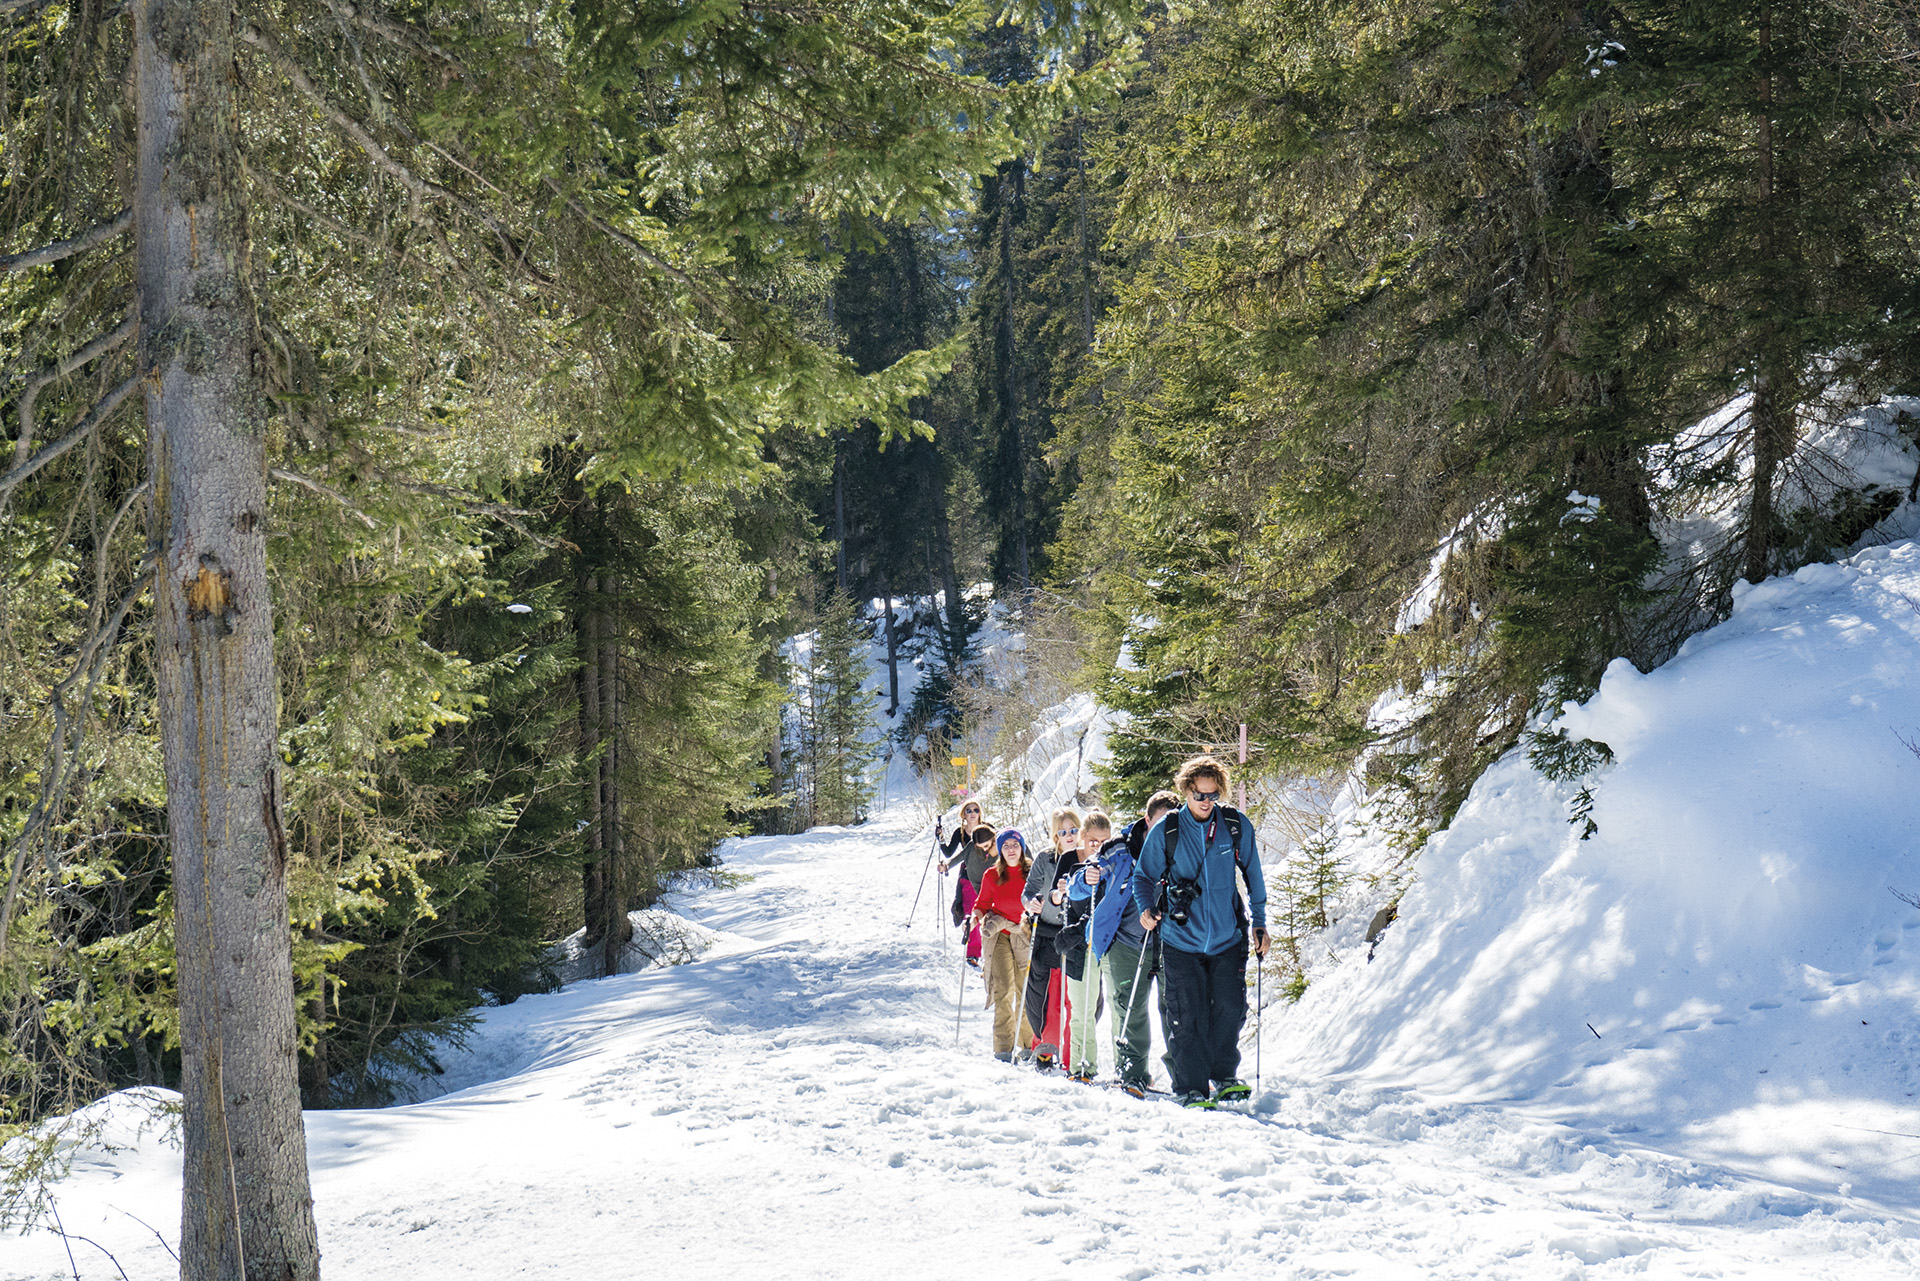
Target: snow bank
{"points": [[660, 937], [1722, 966]]}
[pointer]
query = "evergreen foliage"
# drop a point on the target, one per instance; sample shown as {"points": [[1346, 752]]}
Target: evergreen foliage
{"points": [[539, 307], [1400, 398], [836, 731]]}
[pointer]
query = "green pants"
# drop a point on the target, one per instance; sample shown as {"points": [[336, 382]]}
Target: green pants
{"points": [[1083, 997], [1131, 1029]]}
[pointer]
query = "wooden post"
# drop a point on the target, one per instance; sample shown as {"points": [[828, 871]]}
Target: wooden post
{"points": [[1243, 761]]}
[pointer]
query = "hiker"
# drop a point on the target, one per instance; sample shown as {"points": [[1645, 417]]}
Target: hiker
{"points": [[1186, 891], [1120, 944], [998, 915], [954, 846], [973, 865], [970, 849], [1078, 958], [1046, 902]]}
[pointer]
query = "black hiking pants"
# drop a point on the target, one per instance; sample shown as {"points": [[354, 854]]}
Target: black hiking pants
{"points": [[1046, 959], [1203, 1006]]}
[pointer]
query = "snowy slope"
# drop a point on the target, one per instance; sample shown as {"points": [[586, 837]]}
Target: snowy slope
{"points": [[793, 1104], [1721, 970]]}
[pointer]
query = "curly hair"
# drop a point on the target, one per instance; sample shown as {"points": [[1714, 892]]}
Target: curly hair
{"points": [[1198, 768]]}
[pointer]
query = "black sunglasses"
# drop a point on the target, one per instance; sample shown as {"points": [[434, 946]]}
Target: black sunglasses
{"points": [[1207, 797]]}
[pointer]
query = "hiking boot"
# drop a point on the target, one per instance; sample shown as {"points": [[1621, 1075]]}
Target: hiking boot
{"points": [[1084, 1075], [1137, 1089], [1195, 1099], [1232, 1090], [1005, 1056], [1024, 1056]]}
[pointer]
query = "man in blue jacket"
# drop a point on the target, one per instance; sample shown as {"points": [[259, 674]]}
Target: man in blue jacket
{"points": [[1186, 886]]}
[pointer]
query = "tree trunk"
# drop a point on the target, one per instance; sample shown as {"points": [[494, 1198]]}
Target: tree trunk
{"points": [[1772, 419], [949, 580], [613, 899], [893, 649], [588, 623], [1771, 414], [839, 516], [1015, 455], [246, 1206], [1080, 234]]}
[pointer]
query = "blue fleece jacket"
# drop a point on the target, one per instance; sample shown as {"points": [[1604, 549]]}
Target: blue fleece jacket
{"points": [[1204, 853], [1113, 912]]}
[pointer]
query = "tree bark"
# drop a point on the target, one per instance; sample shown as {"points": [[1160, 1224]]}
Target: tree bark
{"points": [[246, 1206], [943, 556], [591, 871], [1015, 450], [839, 515], [1772, 411], [893, 649], [613, 899]]}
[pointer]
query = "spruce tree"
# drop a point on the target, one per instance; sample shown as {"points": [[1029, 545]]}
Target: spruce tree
{"points": [[839, 741]]}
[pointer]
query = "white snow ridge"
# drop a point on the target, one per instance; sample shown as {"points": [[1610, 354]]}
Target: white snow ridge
{"points": [[791, 1103]]}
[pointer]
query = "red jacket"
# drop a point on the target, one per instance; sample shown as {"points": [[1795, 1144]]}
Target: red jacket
{"points": [[1002, 897]]}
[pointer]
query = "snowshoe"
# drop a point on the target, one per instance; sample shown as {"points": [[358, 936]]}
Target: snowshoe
{"points": [[1195, 1099], [1134, 1088], [1232, 1090], [1084, 1075], [1044, 1063]]}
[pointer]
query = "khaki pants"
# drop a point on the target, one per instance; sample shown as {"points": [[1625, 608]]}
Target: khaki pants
{"points": [[1004, 960]]}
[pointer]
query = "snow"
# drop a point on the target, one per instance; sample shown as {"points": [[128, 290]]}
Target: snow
{"points": [[1720, 972], [791, 1100], [792, 1104]]}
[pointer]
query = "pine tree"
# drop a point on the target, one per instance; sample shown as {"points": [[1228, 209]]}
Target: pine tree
{"points": [[839, 739], [607, 194]]}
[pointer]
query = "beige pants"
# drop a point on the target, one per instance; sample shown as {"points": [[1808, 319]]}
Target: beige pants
{"points": [[1004, 960]]}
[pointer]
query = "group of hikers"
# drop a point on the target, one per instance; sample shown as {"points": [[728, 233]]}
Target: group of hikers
{"points": [[1100, 916]]}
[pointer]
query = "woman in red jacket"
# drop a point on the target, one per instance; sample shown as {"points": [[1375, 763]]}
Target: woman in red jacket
{"points": [[998, 912]]}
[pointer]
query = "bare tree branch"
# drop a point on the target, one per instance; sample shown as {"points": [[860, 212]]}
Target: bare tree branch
{"points": [[86, 355], [399, 33], [294, 477], [98, 234], [95, 416], [344, 230], [423, 190], [506, 515]]}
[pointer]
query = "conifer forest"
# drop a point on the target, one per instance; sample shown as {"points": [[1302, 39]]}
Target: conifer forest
{"points": [[459, 462]]}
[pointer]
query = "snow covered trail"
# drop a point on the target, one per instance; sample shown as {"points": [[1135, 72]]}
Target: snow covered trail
{"points": [[792, 1105]]}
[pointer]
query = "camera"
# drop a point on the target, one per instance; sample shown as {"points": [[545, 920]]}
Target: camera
{"points": [[1180, 896]]}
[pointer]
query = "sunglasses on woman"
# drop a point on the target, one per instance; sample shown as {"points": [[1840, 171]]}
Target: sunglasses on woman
{"points": [[1068, 831]]}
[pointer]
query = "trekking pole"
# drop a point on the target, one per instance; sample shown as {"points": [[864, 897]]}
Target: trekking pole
{"points": [[1259, 1016], [960, 1001], [1133, 994], [923, 877]]}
